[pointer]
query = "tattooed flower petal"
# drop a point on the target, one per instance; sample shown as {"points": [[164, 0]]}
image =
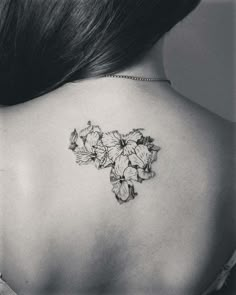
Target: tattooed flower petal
{"points": [[73, 140], [131, 174], [111, 139], [145, 175], [113, 177], [154, 147], [101, 152], [132, 194], [121, 190], [84, 132], [74, 136], [114, 152], [116, 187], [96, 129], [121, 164], [97, 163], [102, 156], [107, 162], [83, 157], [143, 153], [136, 161], [123, 193], [154, 156], [129, 148], [134, 135], [91, 141]]}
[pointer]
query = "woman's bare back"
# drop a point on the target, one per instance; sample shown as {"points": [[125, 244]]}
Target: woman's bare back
{"points": [[64, 230]]}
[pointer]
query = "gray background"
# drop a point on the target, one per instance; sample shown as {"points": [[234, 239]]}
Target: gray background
{"points": [[200, 59]]}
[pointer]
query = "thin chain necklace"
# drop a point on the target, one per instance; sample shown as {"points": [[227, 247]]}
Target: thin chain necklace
{"points": [[139, 78]]}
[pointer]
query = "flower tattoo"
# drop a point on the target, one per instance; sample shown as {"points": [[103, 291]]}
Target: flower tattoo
{"points": [[128, 156]]}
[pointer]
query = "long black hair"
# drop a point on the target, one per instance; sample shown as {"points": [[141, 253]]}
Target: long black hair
{"points": [[47, 43]]}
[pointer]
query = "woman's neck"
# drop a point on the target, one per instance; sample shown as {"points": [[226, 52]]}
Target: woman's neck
{"points": [[151, 65], [99, 90]]}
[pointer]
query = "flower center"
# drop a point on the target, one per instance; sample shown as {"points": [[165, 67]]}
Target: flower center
{"points": [[93, 156], [123, 143], [122, 178]]}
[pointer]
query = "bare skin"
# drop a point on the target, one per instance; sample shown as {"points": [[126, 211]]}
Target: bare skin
{"points": [[65, 233]]}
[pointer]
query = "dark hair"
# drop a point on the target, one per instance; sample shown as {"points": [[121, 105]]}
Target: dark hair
{"points": [[44, 44]]}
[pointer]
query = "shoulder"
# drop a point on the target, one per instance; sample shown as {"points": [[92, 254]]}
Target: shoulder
{"points": [[212, 145], [210, 140], [196, 131], [207, 132], [200, 159]]}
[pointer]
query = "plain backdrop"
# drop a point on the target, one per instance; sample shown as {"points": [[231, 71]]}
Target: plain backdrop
{"points": [[200, 57]]}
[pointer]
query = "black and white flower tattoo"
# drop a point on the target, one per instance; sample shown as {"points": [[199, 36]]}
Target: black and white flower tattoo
{"points": [[128, 156]]}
